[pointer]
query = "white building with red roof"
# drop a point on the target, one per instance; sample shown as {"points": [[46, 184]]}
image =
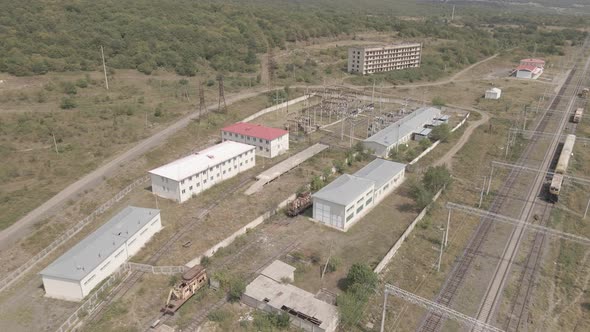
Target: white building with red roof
{"points": [[269, 142]]}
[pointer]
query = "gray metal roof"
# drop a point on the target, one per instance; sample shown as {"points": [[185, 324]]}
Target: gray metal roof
{"points": [[344, 190], [89, 253], [380, 171], [405, 126], [425, 131]]}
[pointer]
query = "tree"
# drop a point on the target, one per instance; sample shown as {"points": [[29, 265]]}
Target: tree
{"points": [[441, 132], [435, 178], [317, 183], [421, 195], [360, 274]]}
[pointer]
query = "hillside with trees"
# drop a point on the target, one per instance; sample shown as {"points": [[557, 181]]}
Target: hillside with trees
{"points": [[186, 36]]}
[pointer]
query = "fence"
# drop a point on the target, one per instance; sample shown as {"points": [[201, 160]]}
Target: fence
{"points": [[438, 142], [402, 238], [167, 270], [16, 274], [94, 300], [277, 107], [227, 241]]}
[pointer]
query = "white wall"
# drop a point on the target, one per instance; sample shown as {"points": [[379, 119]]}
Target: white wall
{"points": [[77, 290], [390, 186], [328, 213], [524, 74], [264, 148], [199, 182], [166, 188], [62, 289]]}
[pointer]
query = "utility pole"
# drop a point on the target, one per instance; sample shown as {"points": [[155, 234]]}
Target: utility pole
{"points": [[483, 187], [490, 181], [384, 311], [221, 95], [327, 262], [104, 68], [442, 242], [448, 228], [55, 143], [201, 100], [453, 13], [587, 206]]}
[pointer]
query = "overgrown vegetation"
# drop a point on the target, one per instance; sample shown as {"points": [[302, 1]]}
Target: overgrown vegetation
{"points": [[360, 283], [433, 180]]}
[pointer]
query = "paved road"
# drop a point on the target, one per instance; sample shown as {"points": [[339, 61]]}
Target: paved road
{"points": [[22, 227]]}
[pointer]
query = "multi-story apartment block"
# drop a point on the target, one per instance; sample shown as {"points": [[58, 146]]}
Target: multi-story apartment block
{"points": [[376, 59]]}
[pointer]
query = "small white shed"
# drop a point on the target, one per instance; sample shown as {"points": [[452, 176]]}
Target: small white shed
{"points": [[493, 93]]}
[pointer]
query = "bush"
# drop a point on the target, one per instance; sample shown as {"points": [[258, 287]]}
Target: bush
{"points": [[236, 289], [438, 101], [332, 265], [82, 83], [421, 195], [69, 88], [441, 132], [425, 144], [205, 261], [68, 103], [219, 315], [360, 274]]}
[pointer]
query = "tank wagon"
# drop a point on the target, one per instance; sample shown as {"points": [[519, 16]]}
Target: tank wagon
{"points": [[562, 163]]}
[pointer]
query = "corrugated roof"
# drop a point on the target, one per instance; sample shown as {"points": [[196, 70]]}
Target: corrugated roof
{"points": [[344, 190], [496, 90], [184, 167], [427, 131], [403, 127], [278, 295], [89, 253], [380, 171], [255, 130], [532, 60]]}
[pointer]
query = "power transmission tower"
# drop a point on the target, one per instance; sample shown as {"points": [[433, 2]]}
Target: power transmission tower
{"points": [[221, 95], [201, 101]]}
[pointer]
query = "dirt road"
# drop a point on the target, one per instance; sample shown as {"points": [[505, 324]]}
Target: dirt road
{"points": [[447, 159], [20, 228]]}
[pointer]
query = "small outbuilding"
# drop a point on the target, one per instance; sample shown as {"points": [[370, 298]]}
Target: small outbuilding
{"points": [[493, 93], [528, 71], [74, 274], [305, 310], [422, 134]]}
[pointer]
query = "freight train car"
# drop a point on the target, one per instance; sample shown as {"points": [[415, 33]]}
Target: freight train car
{"points": [[562, 163], [578, 115]]}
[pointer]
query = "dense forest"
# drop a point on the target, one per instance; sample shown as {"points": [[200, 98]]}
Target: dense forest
{"points": [[185, 35]]}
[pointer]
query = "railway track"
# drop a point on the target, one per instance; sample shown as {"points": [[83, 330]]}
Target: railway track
{"points": [[133, 277], [432, 321], [518, 316]]}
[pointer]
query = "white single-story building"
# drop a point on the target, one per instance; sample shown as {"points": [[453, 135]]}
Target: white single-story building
{"points": [[270, 142], [191, 175], [347, 199], [400, 131], [493, 93], [528, 71], [74, 274], [305, 310]]}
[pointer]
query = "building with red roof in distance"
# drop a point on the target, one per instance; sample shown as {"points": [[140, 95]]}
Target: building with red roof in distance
{"points": [[269, 142], [533, 62]]}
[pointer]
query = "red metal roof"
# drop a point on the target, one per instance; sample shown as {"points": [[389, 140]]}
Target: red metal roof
{"points": [[254, 130], [526, 67]]}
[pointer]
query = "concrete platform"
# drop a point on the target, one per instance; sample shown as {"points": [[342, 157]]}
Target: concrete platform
{"points": [[284, 166]]}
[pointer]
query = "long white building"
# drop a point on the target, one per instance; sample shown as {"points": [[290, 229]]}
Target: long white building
{"points": [[400, 131], [74, 274], [191, 175], [270, 142], [348, 198]]}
